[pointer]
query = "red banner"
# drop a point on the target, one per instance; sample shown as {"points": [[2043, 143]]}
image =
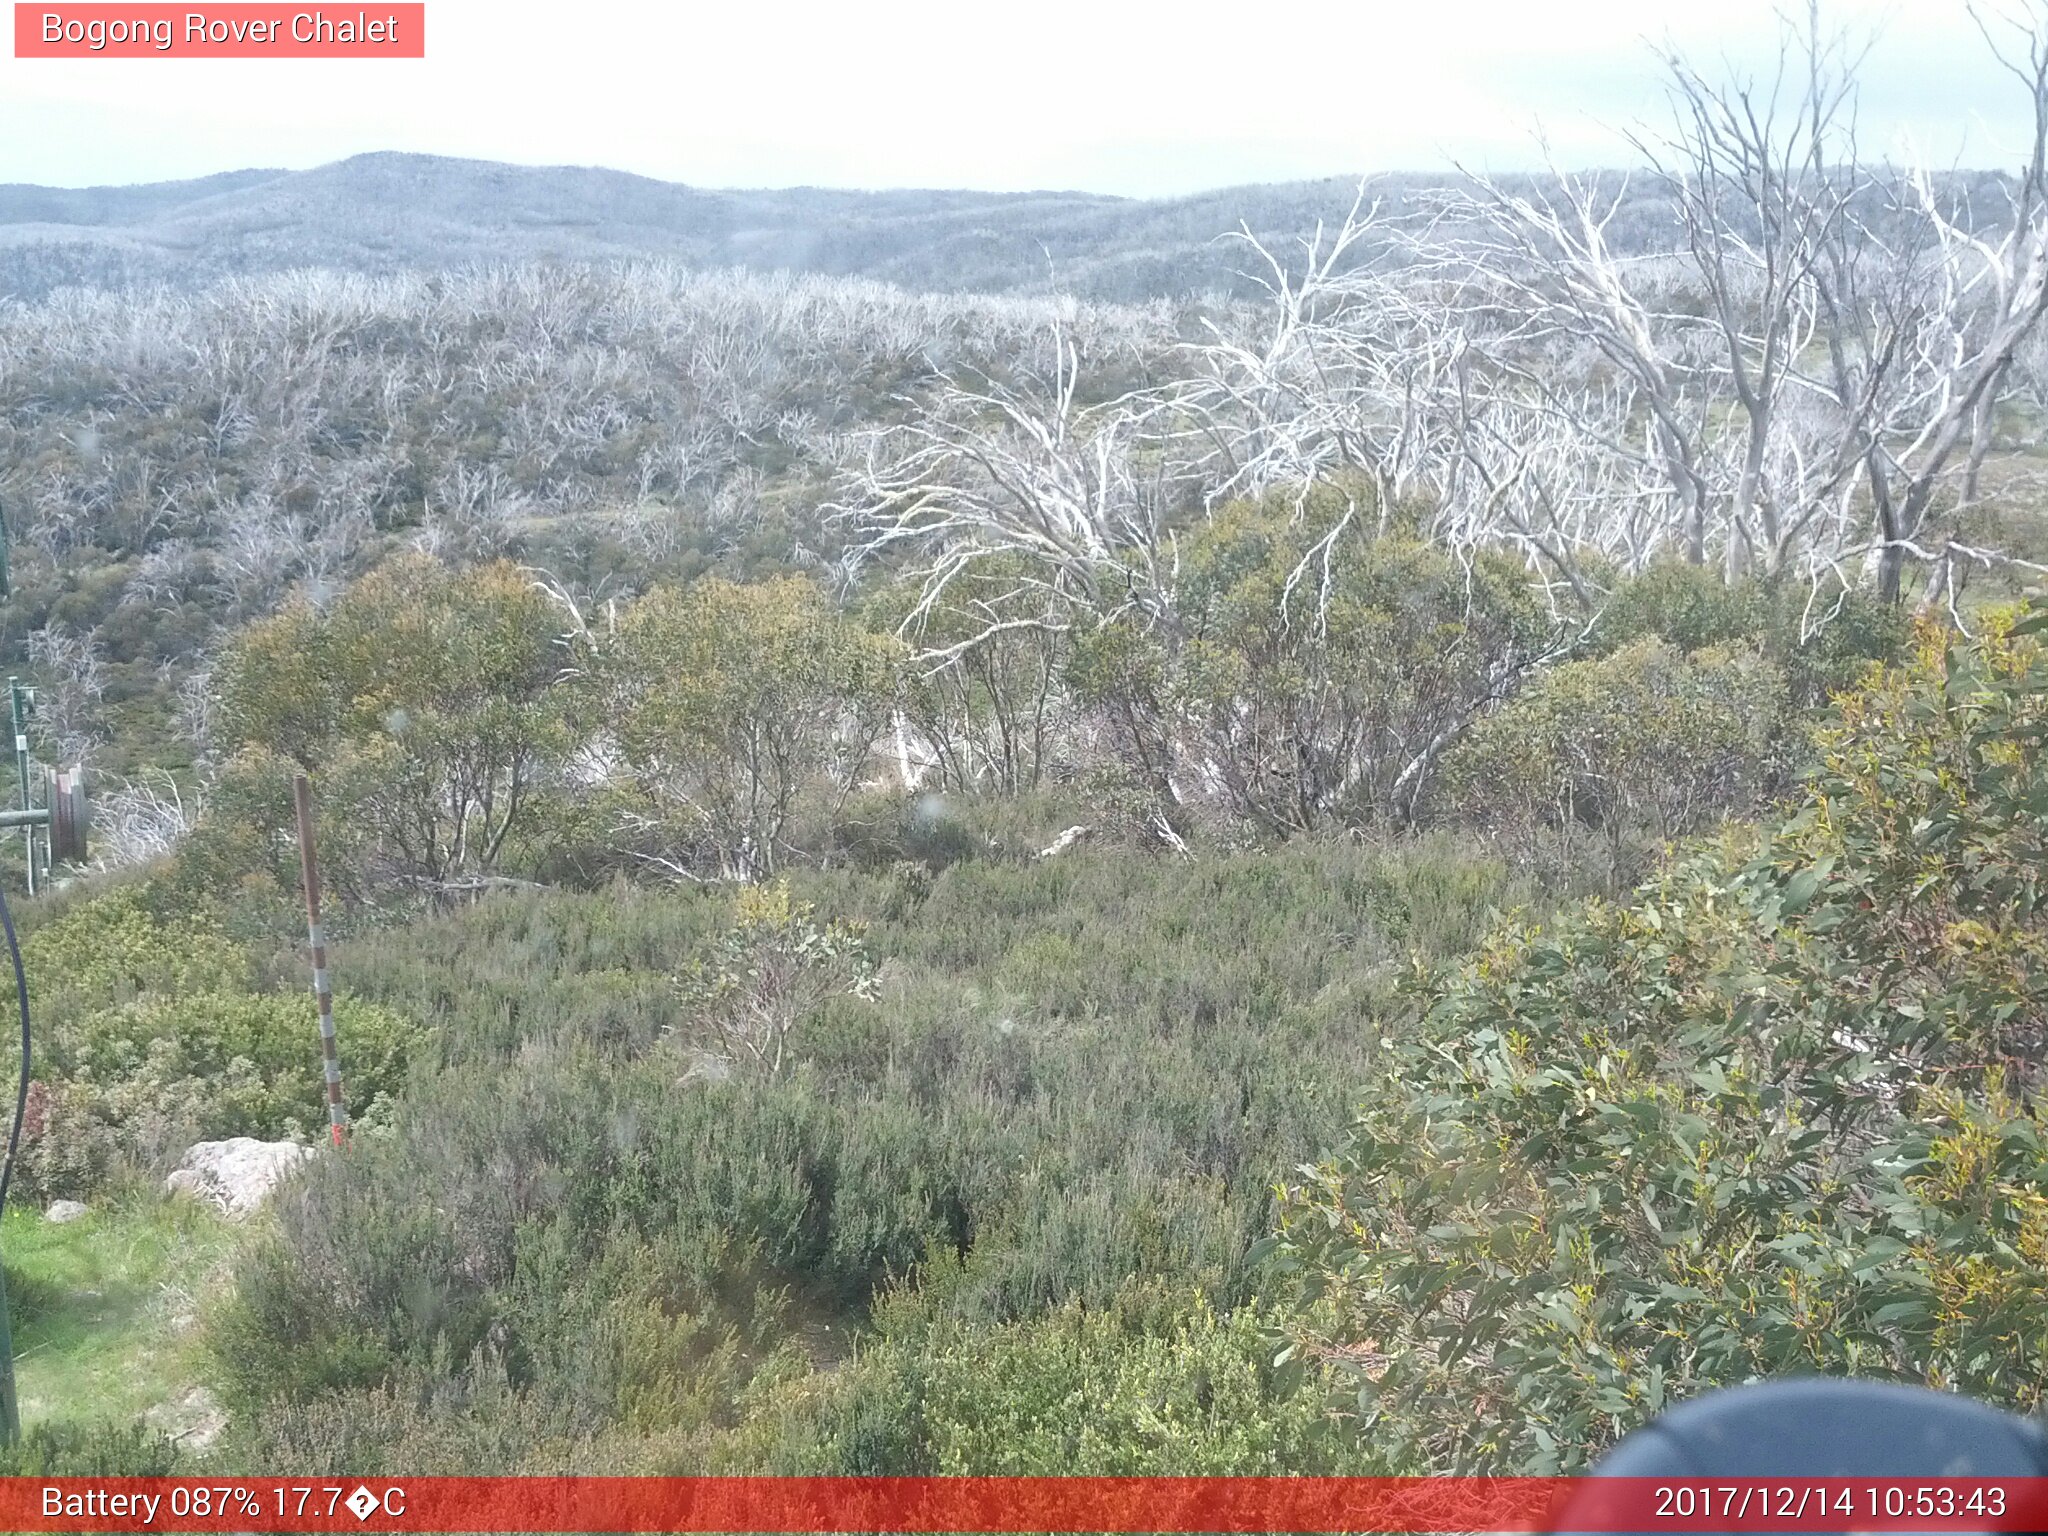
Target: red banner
{"points": [[222, 31], [1003, 1504]]}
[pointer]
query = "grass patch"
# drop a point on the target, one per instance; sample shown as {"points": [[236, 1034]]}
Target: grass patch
{"points": [[105, 1309]]}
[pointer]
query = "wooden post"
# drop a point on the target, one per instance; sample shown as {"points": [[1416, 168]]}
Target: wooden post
{"points": [[323, 994]]}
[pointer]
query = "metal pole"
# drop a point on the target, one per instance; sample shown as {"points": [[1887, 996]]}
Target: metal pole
{"points": [[20, 700], [323, 995], [10, 1406]]}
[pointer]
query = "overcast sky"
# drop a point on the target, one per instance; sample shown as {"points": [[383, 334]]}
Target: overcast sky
{"points": [[1141, 97]]}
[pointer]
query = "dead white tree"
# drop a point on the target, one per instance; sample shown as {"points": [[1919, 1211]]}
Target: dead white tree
{"points": [[1519, 474], [72, 682], [1541, 276], [1921, 348], [1825, 375], [989, 469], [1761, 178], [142, 820], [1341, 368]]}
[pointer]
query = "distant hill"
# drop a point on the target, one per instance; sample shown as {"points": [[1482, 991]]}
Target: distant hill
{"points": [[387, 212], [397, 212]]}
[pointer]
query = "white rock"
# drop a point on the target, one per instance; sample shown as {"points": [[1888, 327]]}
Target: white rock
{"points": [[61, 1211], [1063, 842], [238, 1174]]}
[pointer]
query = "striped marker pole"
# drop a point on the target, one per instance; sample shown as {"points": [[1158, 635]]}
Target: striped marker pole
{"points": [[323, 994]]}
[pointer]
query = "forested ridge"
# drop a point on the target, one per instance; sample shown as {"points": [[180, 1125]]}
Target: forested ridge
{"points": [[393, 213], [1384, 867]]}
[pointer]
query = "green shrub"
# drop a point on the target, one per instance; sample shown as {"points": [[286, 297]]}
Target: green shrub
{"points": [[1318, 666], [149, 1037], [732, 707], [1154, 1384], [888, 829], [1646, 744], [206, 1034], [92, 1448], [424, 700], [1780, 1114], [991, 714], [1075, 1072], [134, 1086], [771, 971], [1824, 643], [592, 1368], [114, 949]]}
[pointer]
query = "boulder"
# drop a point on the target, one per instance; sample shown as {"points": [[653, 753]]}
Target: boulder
{"points": [[61, 1211], [1063, 842], [237, 1174]]}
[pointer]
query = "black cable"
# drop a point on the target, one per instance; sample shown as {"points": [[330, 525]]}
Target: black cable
{"points": [[21, 1093]]}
